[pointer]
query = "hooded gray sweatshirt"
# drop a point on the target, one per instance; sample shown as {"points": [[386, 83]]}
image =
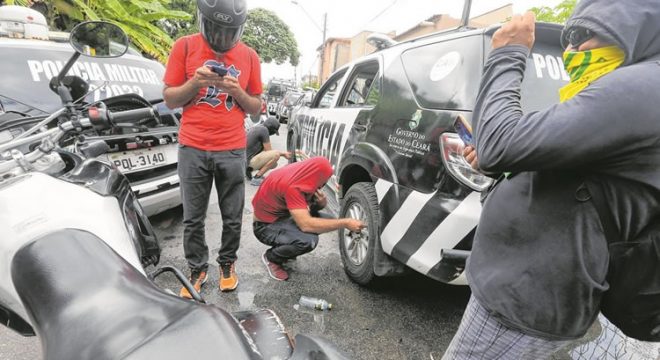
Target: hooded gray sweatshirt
{"points": [[539, 259]]}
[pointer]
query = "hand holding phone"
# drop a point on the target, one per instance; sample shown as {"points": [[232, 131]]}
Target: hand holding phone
{"points": [[464, 130], [220, 70]]}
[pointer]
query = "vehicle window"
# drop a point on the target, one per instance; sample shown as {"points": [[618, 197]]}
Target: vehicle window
{"points": [[374, 92], [293, 97], [359, 85], [445, 75], [324, 98], [275, 90]]}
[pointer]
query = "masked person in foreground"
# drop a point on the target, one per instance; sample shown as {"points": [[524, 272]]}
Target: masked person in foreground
{"points": [[539, 261]]}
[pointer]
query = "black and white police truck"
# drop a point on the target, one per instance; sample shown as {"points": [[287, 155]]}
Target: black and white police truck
{"points": [[385, 121]]}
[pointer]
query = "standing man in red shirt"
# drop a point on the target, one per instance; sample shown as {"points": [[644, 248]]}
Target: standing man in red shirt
{"points": [[286, 213], [217, 80]]}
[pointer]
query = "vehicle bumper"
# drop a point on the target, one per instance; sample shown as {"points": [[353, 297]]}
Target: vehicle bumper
{"points": [[156, 198], [424, 225]]}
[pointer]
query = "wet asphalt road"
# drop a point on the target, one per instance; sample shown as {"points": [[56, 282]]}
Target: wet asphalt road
{"points": [[406, 318], [410, 317]]}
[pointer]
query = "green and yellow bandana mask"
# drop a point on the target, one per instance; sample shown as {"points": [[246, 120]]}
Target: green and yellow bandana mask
{"points": [[584, 67]]}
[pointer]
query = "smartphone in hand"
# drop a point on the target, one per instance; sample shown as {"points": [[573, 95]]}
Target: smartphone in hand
{"points": [[220, 70], [464, 130]]}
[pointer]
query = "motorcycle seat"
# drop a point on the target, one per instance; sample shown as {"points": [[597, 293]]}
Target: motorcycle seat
{"points": [[87, 302]]}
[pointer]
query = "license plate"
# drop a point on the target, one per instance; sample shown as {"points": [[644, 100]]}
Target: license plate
{"points": [[138, 159]]}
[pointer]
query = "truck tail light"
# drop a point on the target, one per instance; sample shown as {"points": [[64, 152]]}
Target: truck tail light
{"points": [[452, 156]]}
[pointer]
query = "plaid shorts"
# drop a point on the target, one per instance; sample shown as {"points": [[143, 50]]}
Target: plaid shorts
{"points": [[481, 336]]}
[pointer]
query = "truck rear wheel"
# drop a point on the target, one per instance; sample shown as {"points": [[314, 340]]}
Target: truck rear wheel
{"points": [[291, 146], [357, 250]]}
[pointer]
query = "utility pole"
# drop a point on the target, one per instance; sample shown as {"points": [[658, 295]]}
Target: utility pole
{"points": [[325, 29]]}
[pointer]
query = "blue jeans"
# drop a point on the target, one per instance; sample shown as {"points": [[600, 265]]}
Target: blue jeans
{"points": [[197, 171], [286, 240]]}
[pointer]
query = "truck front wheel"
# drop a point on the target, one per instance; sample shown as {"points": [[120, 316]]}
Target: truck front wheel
{"points": [[357, 250]]}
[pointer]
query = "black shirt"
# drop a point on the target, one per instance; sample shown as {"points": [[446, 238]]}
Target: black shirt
{"points": [[256, 137]]}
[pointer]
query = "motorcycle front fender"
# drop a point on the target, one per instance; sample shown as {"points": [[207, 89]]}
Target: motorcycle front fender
{"points": [[312, 347]]}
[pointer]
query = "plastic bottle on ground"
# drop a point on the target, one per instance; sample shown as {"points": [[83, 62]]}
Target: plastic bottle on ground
{"points": [[314, 303]]}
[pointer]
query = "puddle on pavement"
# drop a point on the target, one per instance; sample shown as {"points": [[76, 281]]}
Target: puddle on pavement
{"points": [[317, 316], [246, 300]]}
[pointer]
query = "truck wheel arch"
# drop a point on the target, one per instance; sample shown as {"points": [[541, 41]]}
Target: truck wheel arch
{"points": [[365, 162]]}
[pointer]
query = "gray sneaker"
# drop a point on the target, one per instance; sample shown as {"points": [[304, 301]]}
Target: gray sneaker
{"points": [[256, 180]]}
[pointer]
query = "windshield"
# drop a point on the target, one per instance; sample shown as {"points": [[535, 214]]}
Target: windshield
{"points": [[29, 65], [275, 90], [293, 96]]}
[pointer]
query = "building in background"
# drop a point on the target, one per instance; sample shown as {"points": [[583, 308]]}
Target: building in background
{"points": [[336, 53], [340, 51]]}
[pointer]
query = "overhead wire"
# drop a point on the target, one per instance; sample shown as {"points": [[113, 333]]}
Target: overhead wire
{"points": [[380, 13]]}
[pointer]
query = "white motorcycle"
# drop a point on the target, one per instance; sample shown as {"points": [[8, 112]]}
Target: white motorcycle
{"points": [[75, 244]]}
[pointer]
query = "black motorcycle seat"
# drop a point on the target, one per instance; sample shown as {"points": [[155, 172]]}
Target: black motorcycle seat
{"points": [[87, 302]]}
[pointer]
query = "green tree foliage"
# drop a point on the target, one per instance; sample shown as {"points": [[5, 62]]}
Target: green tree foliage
{"points": [[266, 33], [142, 20], [311, 84], [178, 28], [559, 14]]}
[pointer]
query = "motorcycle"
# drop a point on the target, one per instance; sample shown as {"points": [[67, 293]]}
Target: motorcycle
{"points": [[75, 244]]}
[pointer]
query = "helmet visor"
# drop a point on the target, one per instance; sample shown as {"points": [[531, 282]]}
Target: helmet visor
{"points": [[221, 38]]}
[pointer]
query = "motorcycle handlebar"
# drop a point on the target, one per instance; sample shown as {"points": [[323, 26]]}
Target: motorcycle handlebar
{"points": [[102, 118], [130, 115], [54, 134], [99, 118]]}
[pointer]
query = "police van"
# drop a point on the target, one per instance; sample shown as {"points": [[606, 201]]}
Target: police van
{"points": [[385, 122], [275, 91], [32, 55]]}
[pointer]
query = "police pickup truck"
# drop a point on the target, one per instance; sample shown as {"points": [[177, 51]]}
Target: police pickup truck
{"points": [[32, 55], [385, 121]]}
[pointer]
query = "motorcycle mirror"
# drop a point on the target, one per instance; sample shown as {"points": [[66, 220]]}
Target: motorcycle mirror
{"points": [[91, 38], [99, 39]]}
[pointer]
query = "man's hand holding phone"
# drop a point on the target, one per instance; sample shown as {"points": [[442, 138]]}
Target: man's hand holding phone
{"points": [[464, 131], [218, 69]]}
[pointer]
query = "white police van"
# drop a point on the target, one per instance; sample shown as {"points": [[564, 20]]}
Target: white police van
{"points": [[32, 55]]}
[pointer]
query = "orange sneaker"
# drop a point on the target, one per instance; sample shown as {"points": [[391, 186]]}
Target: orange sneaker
{"points": [[228, 278], [197, 278]]}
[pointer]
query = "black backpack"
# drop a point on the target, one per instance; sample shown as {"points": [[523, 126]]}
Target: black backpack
{"points": [[632, 303]]}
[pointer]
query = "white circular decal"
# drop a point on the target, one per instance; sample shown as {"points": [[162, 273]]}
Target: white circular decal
{"points": [[445, 65]]}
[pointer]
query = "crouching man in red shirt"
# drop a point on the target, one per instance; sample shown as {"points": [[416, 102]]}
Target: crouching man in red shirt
{"points": [[285, 213]]}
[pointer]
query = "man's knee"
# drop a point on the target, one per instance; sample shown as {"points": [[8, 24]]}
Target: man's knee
{"points": [[306, 243]]}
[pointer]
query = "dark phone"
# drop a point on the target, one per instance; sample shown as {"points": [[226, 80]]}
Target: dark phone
{"points": [[220, 70], [464, 130]]}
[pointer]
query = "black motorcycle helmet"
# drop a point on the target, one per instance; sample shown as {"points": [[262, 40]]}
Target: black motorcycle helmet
{"points": [[221, 22]]}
